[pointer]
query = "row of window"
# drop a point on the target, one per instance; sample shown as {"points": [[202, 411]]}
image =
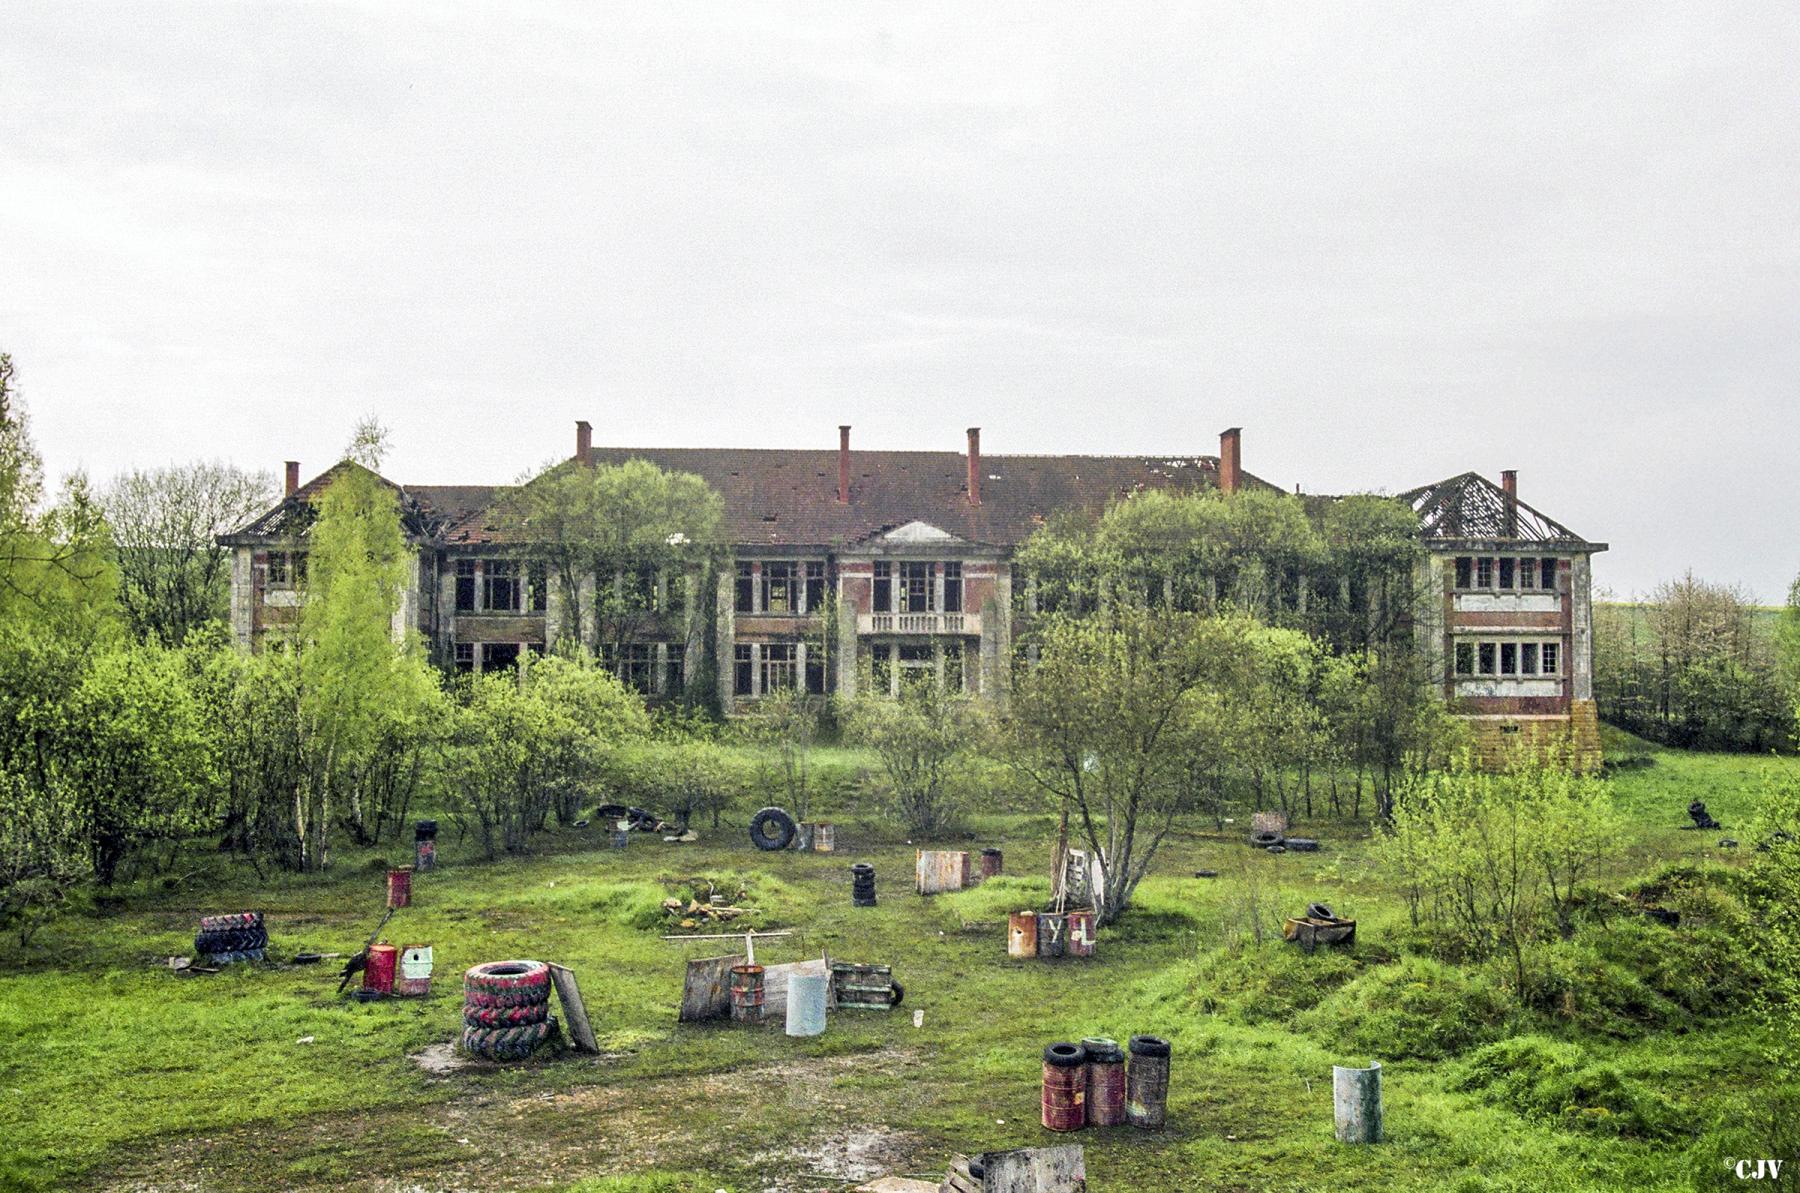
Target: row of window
{"points": [[500, 586], [1514, 658], [635, 664], [918, 587], [780, 586], [773, 666], [286, 569], [1506, 573]]}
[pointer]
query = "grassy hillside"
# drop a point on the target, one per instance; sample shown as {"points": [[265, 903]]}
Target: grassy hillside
{"points": [[1642, 1074]]}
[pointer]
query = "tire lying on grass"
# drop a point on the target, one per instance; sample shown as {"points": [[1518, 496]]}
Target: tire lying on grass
{"points": [[506, 1043], [230, 940], [771, 829], [1264, 840]]}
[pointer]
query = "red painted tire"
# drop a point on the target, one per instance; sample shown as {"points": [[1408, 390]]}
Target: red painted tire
{"points": [[505, 1043], [530, 996], [497, 976], [505, 1016]]}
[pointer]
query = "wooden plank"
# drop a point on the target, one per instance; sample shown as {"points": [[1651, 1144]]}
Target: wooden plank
{"points": [[1035, 1170], [940, 870], [574, 1010], [706, 992], [775, 985]]}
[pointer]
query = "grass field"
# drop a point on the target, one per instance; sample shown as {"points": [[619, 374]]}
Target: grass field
{"points": [[118, 1074]]}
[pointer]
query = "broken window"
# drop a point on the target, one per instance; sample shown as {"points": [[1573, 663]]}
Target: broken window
{"points": [[778, 666], [815, 670], [1507, 567], [278, 569], [636, 666], [953, 589], [746, 588], [537, 581], [1484, 573], [1484, 657], [640, 588], [1547, 581], [1527, 573], [500, 586], [465, 586], [675, 594], [677, 674], [1465, 570], [1509, 658], [953, 666], [499, 656], [1465, 658], [778, 588], [880, 665], [1552, 663], [1528, 658], [465, 657], [743, 660], [884, 587], [815, 587], [915, 588]]}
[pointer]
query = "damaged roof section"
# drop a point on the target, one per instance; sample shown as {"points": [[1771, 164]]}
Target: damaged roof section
{"points": [[1472, 509]]}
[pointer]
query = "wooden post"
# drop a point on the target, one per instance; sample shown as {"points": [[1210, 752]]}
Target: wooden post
{"points": [[1356, 1103], [573, 1009]]}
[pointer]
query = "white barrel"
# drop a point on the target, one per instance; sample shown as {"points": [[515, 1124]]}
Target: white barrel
{"points": [[806, 1003], [1356, 1103]]}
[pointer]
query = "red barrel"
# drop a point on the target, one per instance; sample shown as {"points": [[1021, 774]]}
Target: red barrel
{"points": [[400, 886], [990, 863], [747, 993], [1081, 934], [1065, 1087], [1105, 1082], [378, 974]]}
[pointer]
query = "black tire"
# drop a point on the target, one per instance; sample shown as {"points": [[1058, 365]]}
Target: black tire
{"points": [[769, 841], [899, 994], [1319, 911], [1065, 1056], [505, 1043], [1149, 1046], [1264, 840], [1302, 844]]}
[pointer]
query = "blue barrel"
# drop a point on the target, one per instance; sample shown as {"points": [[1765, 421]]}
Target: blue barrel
{"points": [[806, 1003]]}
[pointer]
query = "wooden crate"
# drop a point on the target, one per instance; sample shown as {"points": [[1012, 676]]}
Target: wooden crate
{"points": [[862, 987], [941, 870]]}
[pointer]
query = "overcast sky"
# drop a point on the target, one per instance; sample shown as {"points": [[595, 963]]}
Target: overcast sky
{"points": [[1393, 242]]}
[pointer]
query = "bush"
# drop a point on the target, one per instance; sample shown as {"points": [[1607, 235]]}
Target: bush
{"points": [[1539, 1078], [1417, 1008], [1270, 982], [1635, 976]]}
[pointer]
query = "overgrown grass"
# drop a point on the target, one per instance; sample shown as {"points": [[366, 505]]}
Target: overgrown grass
{"points": [[1631, 1064]]}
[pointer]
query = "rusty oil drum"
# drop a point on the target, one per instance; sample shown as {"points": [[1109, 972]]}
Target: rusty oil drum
{"points": [[747, 994], [1052, 935], [1105, 1082], [990, 863], [378, 973], [1147, 1084], [400, 886], [1065, 1087], [1081, 934], [1021, 934]]}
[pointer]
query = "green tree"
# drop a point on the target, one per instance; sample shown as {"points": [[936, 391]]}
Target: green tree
{"points": [[923, 739], [166, 522], [632, 533]]}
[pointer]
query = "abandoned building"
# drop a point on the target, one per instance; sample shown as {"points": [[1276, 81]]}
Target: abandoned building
{"points": [[867, 567]]}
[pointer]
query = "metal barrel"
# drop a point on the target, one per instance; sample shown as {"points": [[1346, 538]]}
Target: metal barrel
{"points": [[1081, 934], [824, 837], [1052, 934], [1065, 1087], [1147, 1083], [424, 844], [862, 885], [415, 971], [806, 1003], [378, 974], [990, 863], [1356, 1103], [1021, 934], [400, 886], [747, 993], [1105, 1082], [621, 838]]}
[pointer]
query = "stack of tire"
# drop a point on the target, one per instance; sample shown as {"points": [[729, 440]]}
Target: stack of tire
{"points": [[506, 1009], [224, 939]]}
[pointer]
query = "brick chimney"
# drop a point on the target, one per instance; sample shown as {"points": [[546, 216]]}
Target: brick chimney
{"points": [[1509, 485], [584, 440], [843, 465], [974, 465], [1231, 461], [293, 477]]}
